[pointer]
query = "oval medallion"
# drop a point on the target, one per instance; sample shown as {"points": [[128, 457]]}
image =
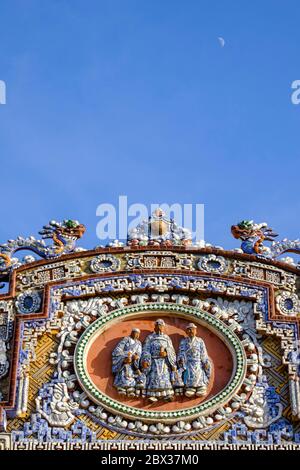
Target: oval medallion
{"points": [[163, 395]]}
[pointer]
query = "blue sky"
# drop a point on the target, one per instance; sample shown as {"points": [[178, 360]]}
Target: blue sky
{"points": [[138, 98]]}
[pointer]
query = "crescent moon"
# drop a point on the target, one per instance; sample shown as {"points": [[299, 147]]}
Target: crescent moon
{"points": [[221, 41]]}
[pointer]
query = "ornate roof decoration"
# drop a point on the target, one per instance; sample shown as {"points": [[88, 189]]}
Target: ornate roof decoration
{"points": [[96, 346], [253, 236], [159, 230], [63, 235]]}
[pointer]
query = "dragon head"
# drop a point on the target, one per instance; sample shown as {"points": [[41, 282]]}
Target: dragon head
{"points": [[64, 234], [67, 231], [253, 236], [71, 229], [243, 230], [247, 229]]}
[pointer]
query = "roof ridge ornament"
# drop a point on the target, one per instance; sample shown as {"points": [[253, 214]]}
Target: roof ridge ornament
{"points": [[156, 230], [253, 236], [159, 230], [64, 236]]}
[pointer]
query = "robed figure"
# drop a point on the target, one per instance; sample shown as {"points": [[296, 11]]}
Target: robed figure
{"points": [[125, 363], [158, 362], [193, 359]]}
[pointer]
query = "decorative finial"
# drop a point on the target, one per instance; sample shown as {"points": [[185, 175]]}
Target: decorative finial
{"points": [[159, 230]]}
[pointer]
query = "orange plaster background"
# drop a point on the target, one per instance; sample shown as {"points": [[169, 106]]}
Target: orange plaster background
{"points": [[99, 359]]}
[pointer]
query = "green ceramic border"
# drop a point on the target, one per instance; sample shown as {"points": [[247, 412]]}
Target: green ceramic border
{"points": [[211, 322]]}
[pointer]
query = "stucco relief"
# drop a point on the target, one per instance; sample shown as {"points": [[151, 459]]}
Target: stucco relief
{"points": [[153, 369]]}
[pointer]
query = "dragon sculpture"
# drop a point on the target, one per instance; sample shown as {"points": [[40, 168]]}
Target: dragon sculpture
{"points": [[253, 236], [63, 234]]}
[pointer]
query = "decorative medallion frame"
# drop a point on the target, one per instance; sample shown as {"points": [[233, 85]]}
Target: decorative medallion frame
{"points": [[134, 312]]}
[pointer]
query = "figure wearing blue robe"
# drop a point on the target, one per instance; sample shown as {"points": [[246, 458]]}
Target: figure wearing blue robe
{"points": [[193, 358], [125, 363], [158, 362]]}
